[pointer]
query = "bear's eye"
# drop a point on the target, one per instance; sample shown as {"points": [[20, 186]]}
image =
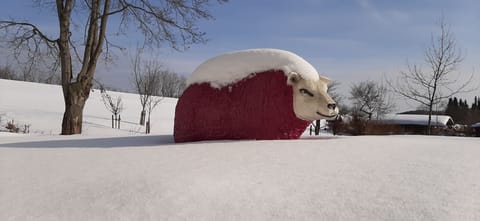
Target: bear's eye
{"points": [[306, 92]]}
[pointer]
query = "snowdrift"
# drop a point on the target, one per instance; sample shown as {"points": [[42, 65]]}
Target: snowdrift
{"points": [[107, 174]]}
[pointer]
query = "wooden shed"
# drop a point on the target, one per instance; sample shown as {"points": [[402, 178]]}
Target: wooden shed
{"points": [[417, 123]]}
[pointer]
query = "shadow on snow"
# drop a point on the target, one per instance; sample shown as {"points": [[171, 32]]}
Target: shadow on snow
{"points": [[111, 142], [130, 141]]}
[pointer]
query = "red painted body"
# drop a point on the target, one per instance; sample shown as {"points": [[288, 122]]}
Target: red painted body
{"points": [[260, 107]]}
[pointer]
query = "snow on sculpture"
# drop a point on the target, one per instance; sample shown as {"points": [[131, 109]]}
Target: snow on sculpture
{"points": [[252, 94]]}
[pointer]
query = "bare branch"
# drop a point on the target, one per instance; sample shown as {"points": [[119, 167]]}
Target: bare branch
{"points": [[428, 87], [30, 47], [26, 28], [170, 21], [77, 55]]}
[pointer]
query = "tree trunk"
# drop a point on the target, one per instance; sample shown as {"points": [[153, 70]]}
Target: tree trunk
{"points": [[147, 128], [429, 125], [76, 93], [142, 117], [74, 103], [148, 122]]}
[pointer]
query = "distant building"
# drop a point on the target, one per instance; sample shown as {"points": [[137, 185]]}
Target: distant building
{"points": [[416, 123]]}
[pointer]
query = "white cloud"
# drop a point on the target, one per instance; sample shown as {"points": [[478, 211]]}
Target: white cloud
{"points": [[381, 15], [368, 7]]}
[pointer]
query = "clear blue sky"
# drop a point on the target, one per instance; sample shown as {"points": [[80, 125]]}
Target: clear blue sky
{"points": [[346, 40]]}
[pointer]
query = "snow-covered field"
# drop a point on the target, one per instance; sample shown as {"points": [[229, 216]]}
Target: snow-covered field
{"points": [[108, 174]]}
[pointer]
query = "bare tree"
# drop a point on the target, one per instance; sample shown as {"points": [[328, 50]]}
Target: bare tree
{"points": [[172, 84], [115, 106], [147, 82], [170, 21], [6, 72], [151, 104], [27, 72], [181, 86], [370, 98], [432, 85]]}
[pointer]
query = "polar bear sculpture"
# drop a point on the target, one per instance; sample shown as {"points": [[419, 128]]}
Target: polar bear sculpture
{"points": [[252, 94]]}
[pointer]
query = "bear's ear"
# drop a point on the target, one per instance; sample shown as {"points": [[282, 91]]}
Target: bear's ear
{"points": [[293, 78], [325, 80]]}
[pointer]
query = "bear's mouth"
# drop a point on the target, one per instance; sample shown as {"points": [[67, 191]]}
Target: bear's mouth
{"points": [[327, 116]]}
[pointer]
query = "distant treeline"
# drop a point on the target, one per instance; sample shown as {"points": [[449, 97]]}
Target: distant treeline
{"points": [[462, 112], [172, 84], [30, 74]]}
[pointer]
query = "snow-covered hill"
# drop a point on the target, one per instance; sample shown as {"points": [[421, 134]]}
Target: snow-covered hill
{"points": [[41, 106], [107, 174]]}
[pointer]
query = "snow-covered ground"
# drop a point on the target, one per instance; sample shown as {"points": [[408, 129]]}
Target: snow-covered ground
{"points": [[108, 174], [41, 106]]}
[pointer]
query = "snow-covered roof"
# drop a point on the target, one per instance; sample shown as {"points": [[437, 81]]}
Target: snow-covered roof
{"points": [[231, 67], [475, 125], [417, 119]]}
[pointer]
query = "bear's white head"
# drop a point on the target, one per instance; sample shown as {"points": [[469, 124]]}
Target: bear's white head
{"points": [[310, 98]]}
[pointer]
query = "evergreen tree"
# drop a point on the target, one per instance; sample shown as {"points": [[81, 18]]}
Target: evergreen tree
{"points": [[478, 103], [462, 112], [450, 107], [475, 111], [475, 104], [465, 104]]}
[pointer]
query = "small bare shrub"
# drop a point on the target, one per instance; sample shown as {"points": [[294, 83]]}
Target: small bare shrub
{"points": [[12, 127]]}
